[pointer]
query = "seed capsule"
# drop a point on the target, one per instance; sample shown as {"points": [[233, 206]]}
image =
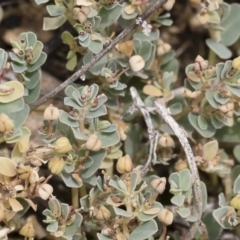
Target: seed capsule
{"points": [[62, 145], [51, 113], [166, 217], [159, 184], [93, 143], [124, 164]]}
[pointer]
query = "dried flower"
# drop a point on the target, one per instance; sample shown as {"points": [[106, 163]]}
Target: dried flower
{"points": [[165, 216], [137, 63], [235, 202], [93, 143], [103, 213], [124, 164], [168, 5], [147, 28], [83, 77], [4, 232], [122, 134], [51, 113], [166, 141], [180, 165], [6, 124], [159, 184], [200, 64], [62, 145], [27, 230], [45, 191], [236, 63], [162, 48], [139, 21], [2, 213], [56, 165]]}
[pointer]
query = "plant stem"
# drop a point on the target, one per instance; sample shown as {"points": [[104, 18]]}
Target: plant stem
{"points": [[109, 171], [82, 191], [75, 199], [156, 5], [164, 231], [211, 58]]}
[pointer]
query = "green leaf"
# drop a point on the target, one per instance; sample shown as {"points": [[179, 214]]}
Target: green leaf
{"points": [[16, 105], [144, 231], [25, 133], [33, 94], [64, 118], [216, 122], [236, 152], [72, 62], [65, 210], [178, 200], [37, 50], [18, 67], [16, 58], [204, 195], [41, 1], [234, 90], [175, 108], [95, 46], [235, 172], [30, 38], [102, 237], [121, 212], [220, 99], [53, 23], [108, 139], [40, 61], [97, 158], [153, 36], [222, 200], [109, 17], [230, 24], [101, 111], [71, 103], [185, 179], [213, 228], [210, 150], [34, 78], [19, 117], [71, 229], [202, 122], [78, 135], [236, 185], [209, 132], [132, 143], [52, 227], [183, 212], [175, 177], [211, 100], [3, 59], [219, 214], [221, 50], [98, 66], [55, 10], [69, 180]]}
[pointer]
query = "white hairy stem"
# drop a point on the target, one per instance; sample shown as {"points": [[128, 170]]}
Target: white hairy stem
{"points": [[153, 135], [163, 113]]}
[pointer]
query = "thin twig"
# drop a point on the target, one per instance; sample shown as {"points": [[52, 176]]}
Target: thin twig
{"points": [[153, 135], [97, 57], [163, 113]]}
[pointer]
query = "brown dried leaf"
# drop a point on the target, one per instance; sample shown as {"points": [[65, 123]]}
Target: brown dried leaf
{"points": [[152, 91], [126, 48], [7, 167]]}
